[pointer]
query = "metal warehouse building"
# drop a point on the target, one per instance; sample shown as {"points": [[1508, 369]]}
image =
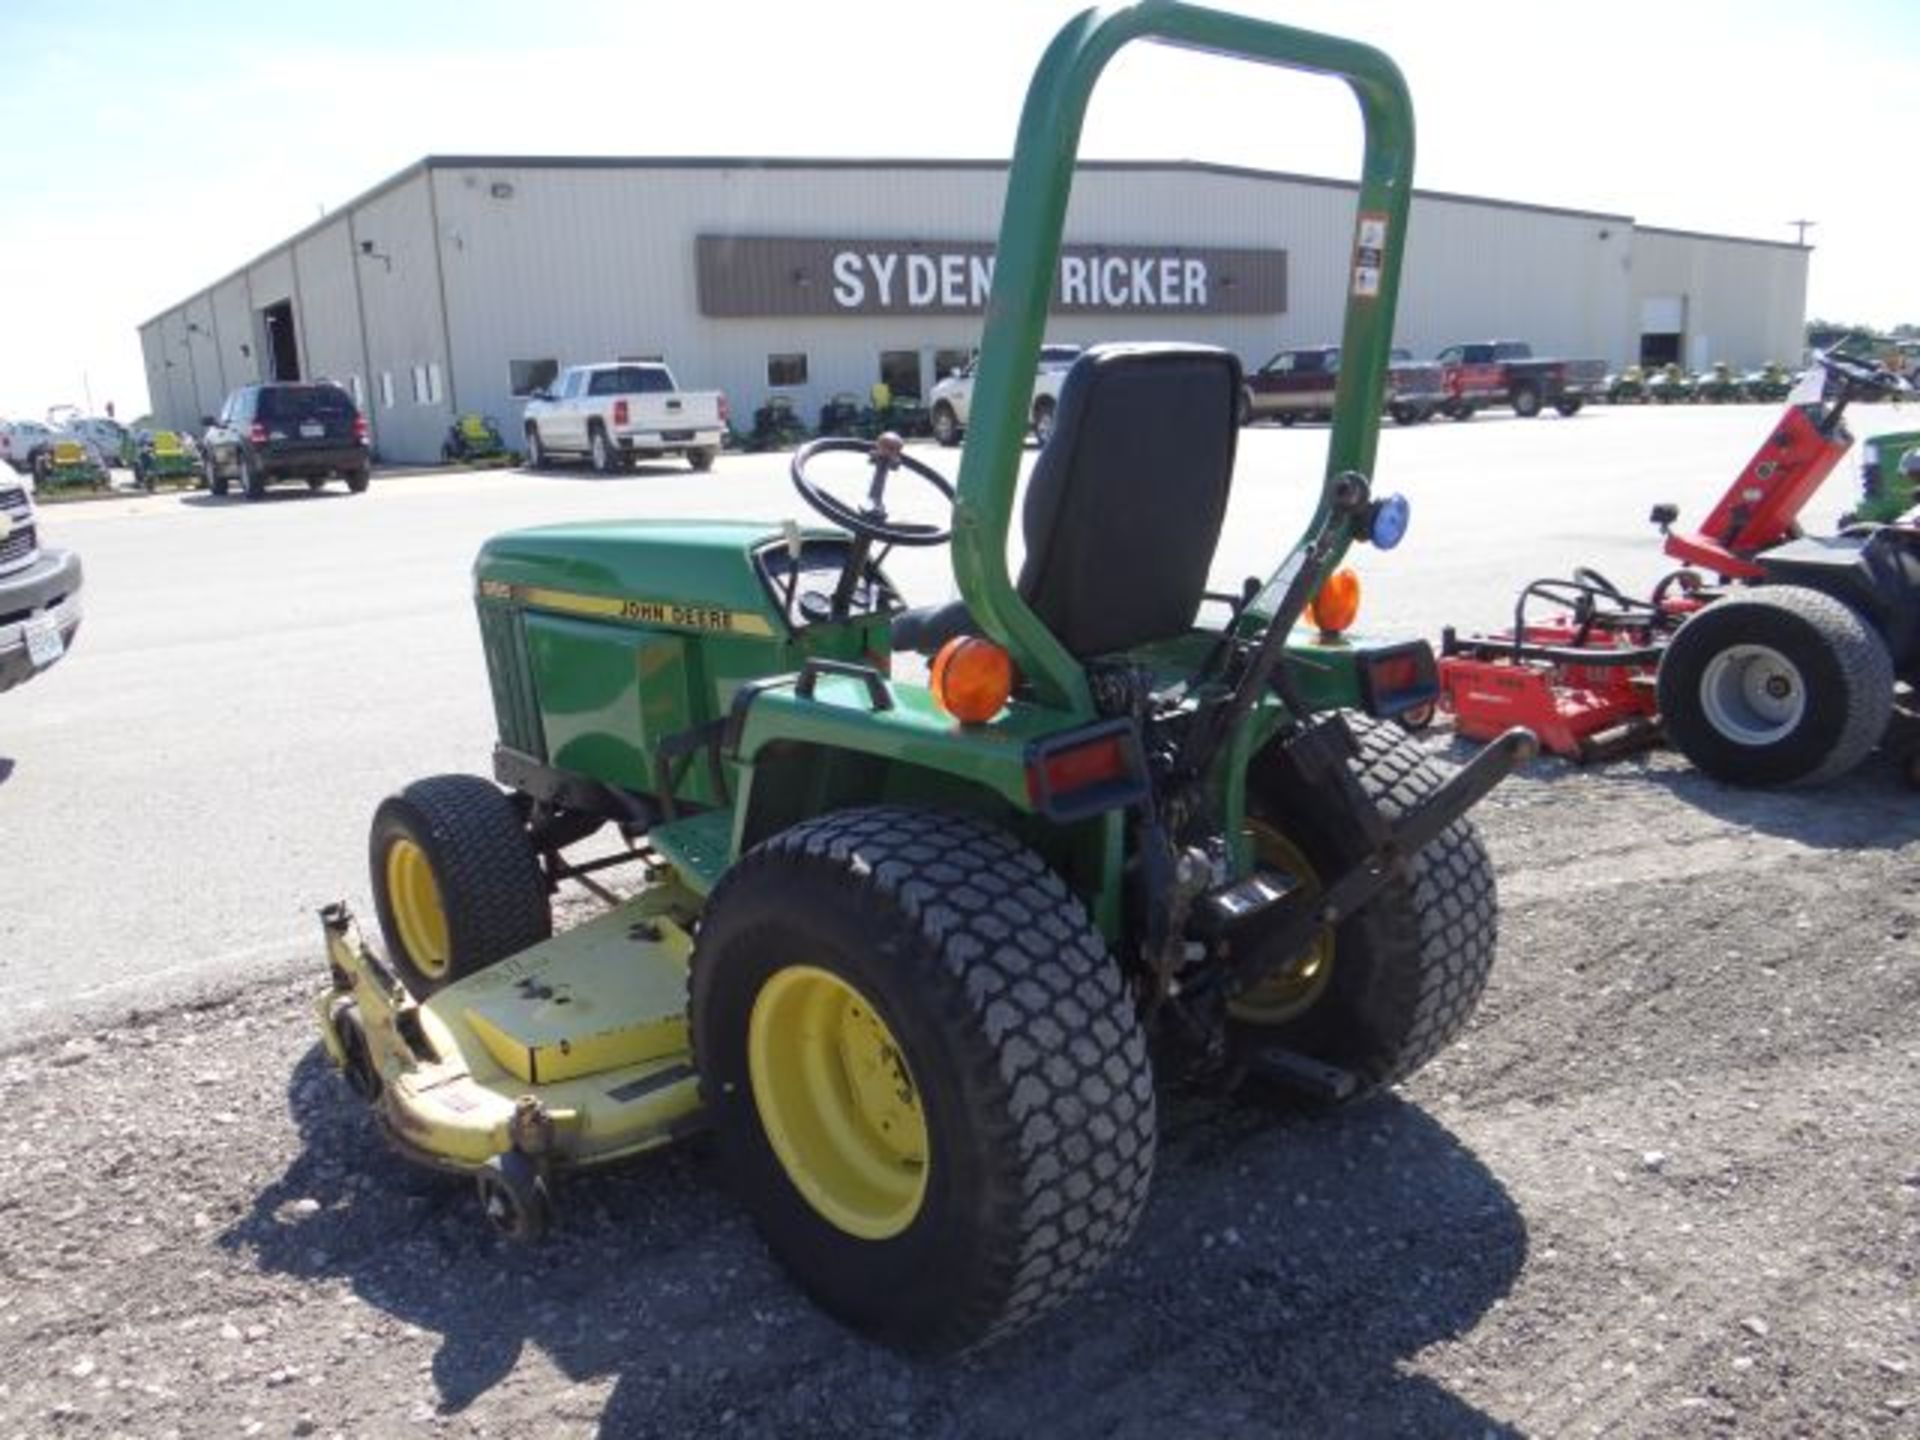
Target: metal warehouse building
{"points": [[463, 282]]}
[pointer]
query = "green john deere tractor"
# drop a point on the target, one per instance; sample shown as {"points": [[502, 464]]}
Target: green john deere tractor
{"points": [[906, 946]]}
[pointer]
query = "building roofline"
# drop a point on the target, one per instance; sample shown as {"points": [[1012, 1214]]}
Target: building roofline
{"points": [[875, 162], [1724, 239]]}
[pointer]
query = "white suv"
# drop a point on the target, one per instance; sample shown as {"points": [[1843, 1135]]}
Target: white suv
{"points": [[951, 403]]}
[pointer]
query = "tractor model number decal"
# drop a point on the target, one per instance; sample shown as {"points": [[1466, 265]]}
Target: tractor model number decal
{"points": [[1369, 255], [618, 607]]}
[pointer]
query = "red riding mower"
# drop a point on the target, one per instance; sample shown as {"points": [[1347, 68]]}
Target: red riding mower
{"points": [[1771, 657]]}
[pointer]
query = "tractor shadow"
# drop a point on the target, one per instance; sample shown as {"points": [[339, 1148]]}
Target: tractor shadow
{"points": [[642, 470], [1288, 1272], [201, 500], [1871, 808]]}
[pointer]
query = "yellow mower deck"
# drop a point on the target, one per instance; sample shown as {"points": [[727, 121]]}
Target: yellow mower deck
{"points": [[573, 1052]]}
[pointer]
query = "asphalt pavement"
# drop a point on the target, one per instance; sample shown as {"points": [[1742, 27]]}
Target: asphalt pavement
{"points": [[180, 794]]}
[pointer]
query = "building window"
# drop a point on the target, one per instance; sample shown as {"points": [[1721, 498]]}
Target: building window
{"points": [[386, 389], [359, 390], [526, 376], [786, 369], [435, 391], [900, 372], [419, 384], [950, 362]]}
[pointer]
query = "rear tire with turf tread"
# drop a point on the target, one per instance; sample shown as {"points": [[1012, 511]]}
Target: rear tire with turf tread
{"points": [[1019, 1039], [1844, 667], [490, 885], [1408, 968]]}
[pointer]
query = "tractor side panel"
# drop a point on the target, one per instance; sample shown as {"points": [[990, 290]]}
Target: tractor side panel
{"points": [[516, 711], [609, 694]]}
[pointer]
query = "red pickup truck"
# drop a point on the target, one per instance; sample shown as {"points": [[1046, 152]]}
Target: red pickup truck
{"points": [[1299, 384], [1506, 372]]}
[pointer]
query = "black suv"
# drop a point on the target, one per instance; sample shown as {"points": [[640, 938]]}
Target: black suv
{"points": [[304, 431]]}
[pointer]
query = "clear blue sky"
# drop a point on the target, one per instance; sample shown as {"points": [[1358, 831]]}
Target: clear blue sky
{"points": [[153, 148]]}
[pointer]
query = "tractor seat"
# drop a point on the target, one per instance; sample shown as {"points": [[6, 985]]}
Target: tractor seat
{"points": [[474, 427], [1125, 504], [165, 442], [68, 452]]}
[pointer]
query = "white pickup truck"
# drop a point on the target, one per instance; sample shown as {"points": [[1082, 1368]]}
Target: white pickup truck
{"points": [[952, 397], [616, 414]]}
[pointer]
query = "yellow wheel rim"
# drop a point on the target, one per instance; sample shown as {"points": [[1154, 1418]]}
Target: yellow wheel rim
{"points": [[1292, 991], [414, 896], [838, 1102]]}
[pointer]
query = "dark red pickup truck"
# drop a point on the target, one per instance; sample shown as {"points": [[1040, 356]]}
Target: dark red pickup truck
{"points": [[1299, 384], [1505, 372]]}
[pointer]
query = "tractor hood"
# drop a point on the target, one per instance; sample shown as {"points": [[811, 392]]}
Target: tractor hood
{"points": [[629, 567]]}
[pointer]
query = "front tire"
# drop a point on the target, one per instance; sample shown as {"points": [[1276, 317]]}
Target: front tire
{"points": [[1042, 422], [536, 450], [455, 880], [252, 478], [1392, 985], [1568, 408], [1781, 685], [216, 482], [926, 1078], [946, 424]]}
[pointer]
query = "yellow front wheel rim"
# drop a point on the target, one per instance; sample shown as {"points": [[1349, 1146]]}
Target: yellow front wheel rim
{"points": [[1292, 991], [418, 913], [838, 1102]]}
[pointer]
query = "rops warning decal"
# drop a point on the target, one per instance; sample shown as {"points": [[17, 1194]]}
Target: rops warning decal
{"points": [[1369, 254]]}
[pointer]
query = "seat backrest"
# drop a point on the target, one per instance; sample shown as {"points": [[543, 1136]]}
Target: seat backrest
{"points": [[1125, 504], [474, 427], [165, 442], [68, 452]]}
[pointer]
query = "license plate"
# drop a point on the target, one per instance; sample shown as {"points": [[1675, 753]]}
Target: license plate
{"points": [[44, 645], [673, 435], [312, 430]]}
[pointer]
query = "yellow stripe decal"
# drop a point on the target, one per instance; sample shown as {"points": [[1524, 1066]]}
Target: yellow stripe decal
{"points": [[671, 613]]}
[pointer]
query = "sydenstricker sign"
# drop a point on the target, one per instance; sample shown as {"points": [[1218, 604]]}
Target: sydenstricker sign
{"points": [[747, 275]]}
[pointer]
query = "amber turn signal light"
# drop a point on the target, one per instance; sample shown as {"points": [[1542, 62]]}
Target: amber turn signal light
{"points": [[972, 678], [1334, 609]]}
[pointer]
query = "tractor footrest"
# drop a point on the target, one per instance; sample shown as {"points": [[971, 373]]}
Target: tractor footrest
{"points": [[1302, 1074]]}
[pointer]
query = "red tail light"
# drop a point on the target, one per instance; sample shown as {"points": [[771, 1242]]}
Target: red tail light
{"points": [[1085, 772], [620, 412], [257, 433], [360, 428]]}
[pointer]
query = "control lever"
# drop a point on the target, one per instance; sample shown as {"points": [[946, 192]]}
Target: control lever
{"points": [[886, 459]]}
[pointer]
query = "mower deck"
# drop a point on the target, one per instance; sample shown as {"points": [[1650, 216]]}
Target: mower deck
{"points": [[571, 1053]]}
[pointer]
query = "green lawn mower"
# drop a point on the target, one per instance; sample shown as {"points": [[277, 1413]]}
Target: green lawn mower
{"points": [[776, 426], [69, 465], [906, 946], [1628, 387], [1720, 385], [475, 441], [1771, 383], [1670, 385], [159, 456]]}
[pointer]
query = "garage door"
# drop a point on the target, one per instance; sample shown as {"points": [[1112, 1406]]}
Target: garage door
{"points": [[1663, 314]]}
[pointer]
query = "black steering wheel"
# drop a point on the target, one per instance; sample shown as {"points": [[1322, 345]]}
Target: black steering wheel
{"points": [[1868, 379], [870, 521]]}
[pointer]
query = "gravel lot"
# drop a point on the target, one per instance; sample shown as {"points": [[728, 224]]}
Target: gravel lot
{"points": [[1667, 1185]]}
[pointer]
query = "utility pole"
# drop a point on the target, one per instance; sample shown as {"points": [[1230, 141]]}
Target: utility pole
{"points": [[1802, 226]]}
